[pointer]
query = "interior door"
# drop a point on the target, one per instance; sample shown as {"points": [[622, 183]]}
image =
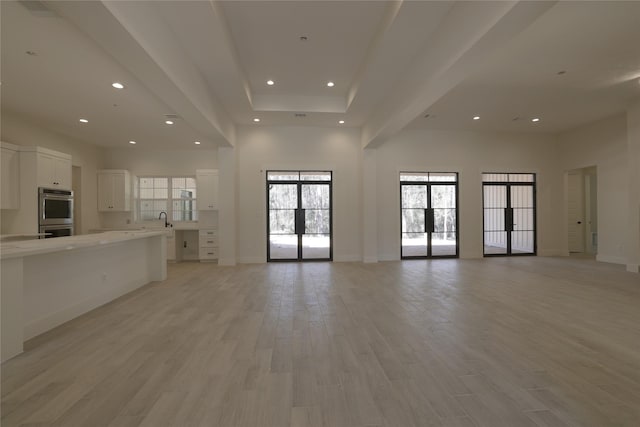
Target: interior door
{"points": [[575, 212], [299, 216]]}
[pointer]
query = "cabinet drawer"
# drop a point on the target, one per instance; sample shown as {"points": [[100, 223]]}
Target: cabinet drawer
{"points": [[208, 241], [208, 233], [208, 253]]}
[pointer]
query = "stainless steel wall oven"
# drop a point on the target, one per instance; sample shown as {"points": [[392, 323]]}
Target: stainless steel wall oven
{"points": [[55, 212]]}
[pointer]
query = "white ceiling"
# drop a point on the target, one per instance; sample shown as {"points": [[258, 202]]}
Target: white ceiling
{"points": [[392, 63]]}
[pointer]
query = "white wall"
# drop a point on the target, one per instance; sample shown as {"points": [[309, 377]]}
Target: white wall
{"points": [[603, 144], [469, 154], [149, 162], [21, 131], [298, 148], [144, 161]]}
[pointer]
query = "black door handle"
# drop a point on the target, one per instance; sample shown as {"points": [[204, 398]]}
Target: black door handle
{"points": [[508, 219], [299, 226], [429, 222], [579, 222]]}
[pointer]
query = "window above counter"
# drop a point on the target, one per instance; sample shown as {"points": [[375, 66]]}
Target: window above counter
{"points": [[174, 195]]}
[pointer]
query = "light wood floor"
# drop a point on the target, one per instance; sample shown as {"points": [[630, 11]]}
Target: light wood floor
{"points": [[496, 342]]}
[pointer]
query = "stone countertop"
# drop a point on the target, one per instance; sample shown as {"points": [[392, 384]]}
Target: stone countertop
{"points": [[19, 249]]}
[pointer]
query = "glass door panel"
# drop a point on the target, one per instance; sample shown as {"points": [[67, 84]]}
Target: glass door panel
{"points": [[444, 233], [316, 230], [283, 208], [522, 236], [414, 201], [495, 204]]}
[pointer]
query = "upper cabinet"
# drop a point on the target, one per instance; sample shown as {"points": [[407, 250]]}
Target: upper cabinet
{"points": [[52, 169], [207, 189], [10, 177], [114, 190]]}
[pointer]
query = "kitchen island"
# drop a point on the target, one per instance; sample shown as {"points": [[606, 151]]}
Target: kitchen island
{"points": [[50, 281]]}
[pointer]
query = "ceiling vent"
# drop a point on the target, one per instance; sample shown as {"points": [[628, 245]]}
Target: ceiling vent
{"points": [[173, 117], [37, 8], [300, 115]]}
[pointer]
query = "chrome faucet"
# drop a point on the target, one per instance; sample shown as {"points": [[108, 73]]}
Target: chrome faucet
{"points": [[166, 224]]}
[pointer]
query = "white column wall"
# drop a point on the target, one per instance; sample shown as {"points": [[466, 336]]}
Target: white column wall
{"points": [[227, 204], [369, 205], [633, 159]]}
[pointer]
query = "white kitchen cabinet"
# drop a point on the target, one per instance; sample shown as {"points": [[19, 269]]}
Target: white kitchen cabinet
{"points": [[207, 189], [114, 190], [208, 245], [10, 177], [53, 170]]}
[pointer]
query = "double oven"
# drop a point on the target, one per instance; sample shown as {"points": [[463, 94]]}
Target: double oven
{"points": [[55, 212]]}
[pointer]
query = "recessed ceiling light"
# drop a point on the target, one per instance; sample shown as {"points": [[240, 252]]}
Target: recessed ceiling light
{"points": [[341, 122], [476, 117], [196, 142], [270, 82], [132, 142], [84, 121], [535, 119], [169, 122], [117, 85], [331, 84], [256, 120]]}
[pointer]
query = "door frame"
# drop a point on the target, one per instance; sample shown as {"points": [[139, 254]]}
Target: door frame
{"points": [[428, 185], [508, 185], [299, 184]]}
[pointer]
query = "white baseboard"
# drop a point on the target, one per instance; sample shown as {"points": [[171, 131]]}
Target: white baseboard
{"points": [[633, 268], [611, 259], [251, 260], [552, 252], [389, 257], [347, 258], [49, 322], [227, 261], [370, 259]]}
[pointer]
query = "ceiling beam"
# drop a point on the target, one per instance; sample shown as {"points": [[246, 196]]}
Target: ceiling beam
{"points": [[469, 34], [135, 35]]}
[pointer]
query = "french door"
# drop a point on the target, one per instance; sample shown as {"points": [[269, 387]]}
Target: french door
{"points": [[509, 211], [428, 205], [299, 219]]}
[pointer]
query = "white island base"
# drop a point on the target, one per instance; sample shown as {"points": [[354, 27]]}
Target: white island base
{"points": [[48, 282]]}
